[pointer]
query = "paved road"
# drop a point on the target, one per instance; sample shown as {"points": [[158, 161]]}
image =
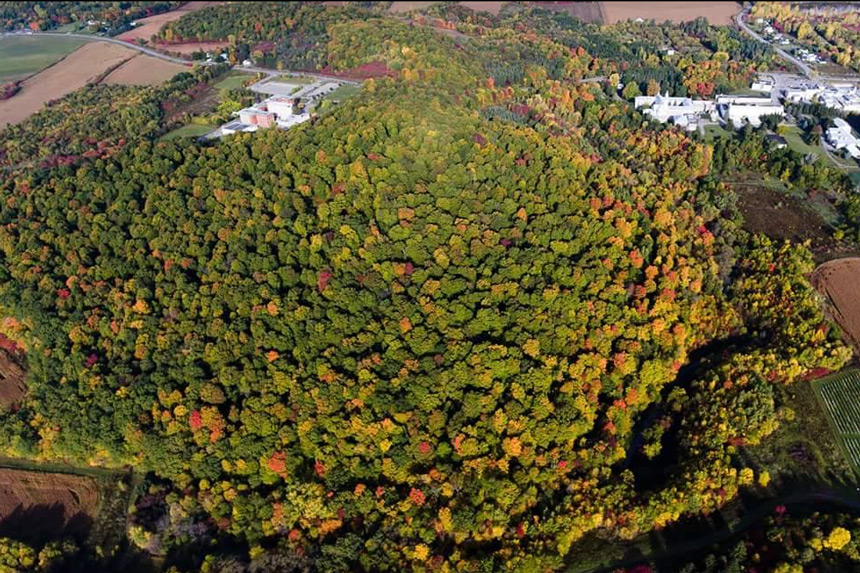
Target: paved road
{"points": [[739, 18]]}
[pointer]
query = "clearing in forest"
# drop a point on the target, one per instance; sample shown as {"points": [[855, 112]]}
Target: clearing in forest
{"points": [[40, 505], [83, 65], [13, 376], [144, 71], [718, 13], [840, 397]]}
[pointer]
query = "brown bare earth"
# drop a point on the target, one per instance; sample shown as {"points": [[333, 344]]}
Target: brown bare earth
{"points": [[716, 12], [143, 71], [491, 7], [72, 72], [585, 11], [398, 7], [37, 505], [839, 282], [12, 378], [147, 27]]}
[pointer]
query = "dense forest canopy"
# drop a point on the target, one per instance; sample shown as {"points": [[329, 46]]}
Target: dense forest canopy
{"points": [[441, 326]]}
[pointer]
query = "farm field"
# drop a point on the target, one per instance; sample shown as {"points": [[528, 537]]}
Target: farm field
{"points": [[837, 282], [147, 27], [144, 70], [715, 12], [586, 11], [81, 66], [38, 505], [23, 56], [840, 397]]}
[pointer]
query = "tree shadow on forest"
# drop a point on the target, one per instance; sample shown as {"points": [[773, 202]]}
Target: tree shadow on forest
{"points": [[41, 523]]}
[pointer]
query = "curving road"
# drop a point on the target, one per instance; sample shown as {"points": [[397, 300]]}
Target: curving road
{"points": [[167, 58], [739, 18]]}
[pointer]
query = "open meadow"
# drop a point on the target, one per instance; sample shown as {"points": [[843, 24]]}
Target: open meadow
{"points": [[24, 56]]}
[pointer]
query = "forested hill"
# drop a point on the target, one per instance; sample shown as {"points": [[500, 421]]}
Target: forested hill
{"points": [[428, 330]]}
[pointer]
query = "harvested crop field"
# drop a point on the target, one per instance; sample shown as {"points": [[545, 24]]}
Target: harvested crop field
{"points": [[585, 11], [143, 71], [837, 281], [73, 72], [719, 13], [147, 27], [838, 395], [40, 506]]}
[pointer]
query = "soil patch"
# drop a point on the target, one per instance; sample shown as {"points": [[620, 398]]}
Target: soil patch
{"points": [[12, 373], [717, 13], [144, 71], [586, 11], [838, 282], [73, 72], [782, 216], [36, 506]]}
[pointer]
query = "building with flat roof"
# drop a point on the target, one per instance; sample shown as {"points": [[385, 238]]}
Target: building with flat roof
{"points": [[841, 137]]}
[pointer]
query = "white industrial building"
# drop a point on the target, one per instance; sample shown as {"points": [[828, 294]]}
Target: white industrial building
{"points": [[740, 113], [763, 86], [682, 111], [840, 136]]}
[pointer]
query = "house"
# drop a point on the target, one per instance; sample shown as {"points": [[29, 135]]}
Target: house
{"points": [[246, 63], [777, 140]]}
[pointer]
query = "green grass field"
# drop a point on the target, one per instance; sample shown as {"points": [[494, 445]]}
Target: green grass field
{"points": [[839, 396], [190, 130], [231, 82], [297, 80], [342, 92], [794, 138], [26, 55]]}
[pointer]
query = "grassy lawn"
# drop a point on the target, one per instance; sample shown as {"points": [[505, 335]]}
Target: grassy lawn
{"points": [[297, 80], [342, 92], [794, 138], [26, 55], [190, 130], [231, 82], [713, 132]]}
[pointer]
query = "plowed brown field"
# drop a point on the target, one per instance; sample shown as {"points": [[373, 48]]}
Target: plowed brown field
{"points": [[839, 282], [35, 505]]}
